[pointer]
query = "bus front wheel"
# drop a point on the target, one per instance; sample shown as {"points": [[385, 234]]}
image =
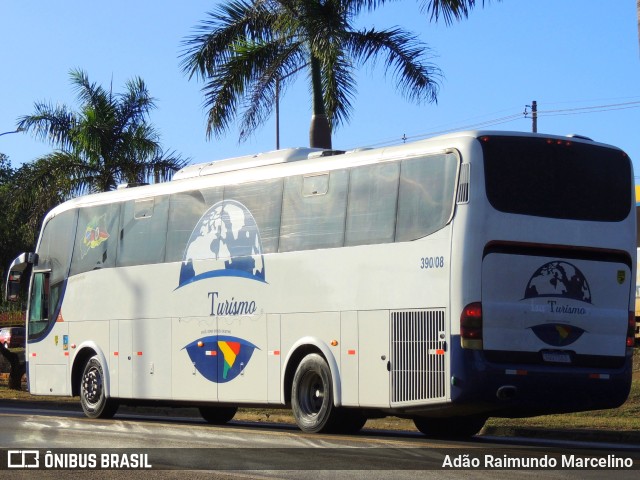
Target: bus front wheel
{"points": [[218, 415], [312, 396], [93, 398]]}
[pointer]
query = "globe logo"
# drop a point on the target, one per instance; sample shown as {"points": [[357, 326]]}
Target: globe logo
{"points": [[557, 334], [220, 358], [558, 279], [228, 233]]}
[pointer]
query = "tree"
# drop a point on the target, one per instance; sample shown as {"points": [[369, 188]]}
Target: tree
{"points": [[6, 173], [13, 233], [10, 233], [35, 188], [107, 142], [247, 48]]}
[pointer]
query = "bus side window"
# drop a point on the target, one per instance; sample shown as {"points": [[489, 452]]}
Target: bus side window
{"points": [[373, 194], [313, 211], [425, 200], [264, 200], [144, 231], [96, 238], [185, 210]]}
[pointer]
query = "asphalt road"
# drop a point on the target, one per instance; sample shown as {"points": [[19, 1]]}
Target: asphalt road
{"points": [[169, 446]]}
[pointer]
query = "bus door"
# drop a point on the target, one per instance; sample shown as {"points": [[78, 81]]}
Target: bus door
{"points": [[47, 349]]}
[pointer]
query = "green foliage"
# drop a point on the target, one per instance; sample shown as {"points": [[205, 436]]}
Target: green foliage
{"points": [[14, 234], [108, 141]]}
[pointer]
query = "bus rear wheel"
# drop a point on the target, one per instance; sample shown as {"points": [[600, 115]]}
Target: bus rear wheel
{"points": [[450, 428], [218, 415], [93, 398], [350, 421], [312, 396]]}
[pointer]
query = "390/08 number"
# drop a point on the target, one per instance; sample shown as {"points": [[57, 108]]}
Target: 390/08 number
{"points": [[431, 262]]}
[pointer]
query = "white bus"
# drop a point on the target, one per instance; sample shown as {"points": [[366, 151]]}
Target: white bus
{"points": [[448, 280]]}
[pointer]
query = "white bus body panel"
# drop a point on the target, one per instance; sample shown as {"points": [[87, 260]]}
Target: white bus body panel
{"points": [[145, 331]]}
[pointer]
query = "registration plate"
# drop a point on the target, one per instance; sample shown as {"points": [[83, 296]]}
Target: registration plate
{"points": [[556, 357]]}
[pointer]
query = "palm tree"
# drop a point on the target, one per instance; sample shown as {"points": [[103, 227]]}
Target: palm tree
{"points": [[449, 10], [107, 142], [248, 48]]}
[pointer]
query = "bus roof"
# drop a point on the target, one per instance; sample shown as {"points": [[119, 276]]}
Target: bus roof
{"points": [[244, 169]]}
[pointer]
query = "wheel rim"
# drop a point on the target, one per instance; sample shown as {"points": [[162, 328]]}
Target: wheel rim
{"points": [[92, 386], [311, 395]]}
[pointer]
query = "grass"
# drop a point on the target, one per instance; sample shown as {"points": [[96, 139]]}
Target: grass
{"points": [[623, 418]]}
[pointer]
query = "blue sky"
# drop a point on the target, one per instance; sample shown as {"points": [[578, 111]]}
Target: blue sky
{"points": [[568, 55]]}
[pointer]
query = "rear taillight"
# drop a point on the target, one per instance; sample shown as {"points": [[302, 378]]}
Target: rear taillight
{"points": [[471, 326], [631, 330]]}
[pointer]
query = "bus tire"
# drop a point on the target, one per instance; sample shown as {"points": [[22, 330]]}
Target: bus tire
{"points": [[351, 421], [450, 428], [312, 396], [93, 399], [217, 415]]}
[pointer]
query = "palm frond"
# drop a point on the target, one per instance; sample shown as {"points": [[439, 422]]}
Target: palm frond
{"points": [[449, 10], [405, 56], [135, 105], [211, 46], [275, 65], [339, 89], [88, 93], [49, 123]]}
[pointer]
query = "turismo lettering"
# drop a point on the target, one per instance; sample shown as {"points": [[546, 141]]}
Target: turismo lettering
{"points": [[221, 307], [555, 308]]}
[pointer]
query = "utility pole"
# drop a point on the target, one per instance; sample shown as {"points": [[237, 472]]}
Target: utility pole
{"points": [[278, 112], [534, 116]]}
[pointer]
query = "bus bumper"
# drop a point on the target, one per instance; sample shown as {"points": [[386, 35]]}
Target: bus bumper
{"points": [[521, 390]]}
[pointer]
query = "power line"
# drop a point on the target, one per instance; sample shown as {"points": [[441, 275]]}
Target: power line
{"points": [[593, 108], [511, 118]]}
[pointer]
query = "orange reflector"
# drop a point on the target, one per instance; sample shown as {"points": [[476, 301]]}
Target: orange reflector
{"points": [[334, 343], [60, 319], [201, 343]]}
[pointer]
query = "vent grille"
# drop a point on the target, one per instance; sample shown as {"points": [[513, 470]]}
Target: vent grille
{"points": [[463, 184], [418, 350]]}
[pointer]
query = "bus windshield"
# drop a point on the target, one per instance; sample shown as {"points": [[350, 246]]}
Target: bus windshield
{"points": [[557, 178]]}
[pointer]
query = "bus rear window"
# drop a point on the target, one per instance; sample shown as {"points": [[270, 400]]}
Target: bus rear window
{"points": [[557, 178]]}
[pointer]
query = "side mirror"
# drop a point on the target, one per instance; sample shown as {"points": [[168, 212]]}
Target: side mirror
{"points": [[19, 269], [13, 286]]}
